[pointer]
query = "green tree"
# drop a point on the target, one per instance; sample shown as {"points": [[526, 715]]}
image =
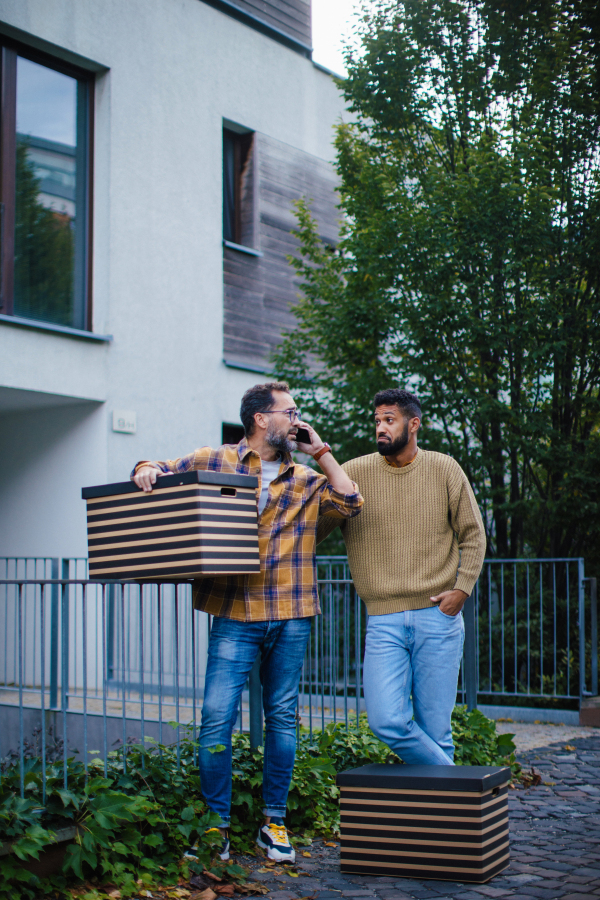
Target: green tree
{"points": [[44, 251], [468, 266]]}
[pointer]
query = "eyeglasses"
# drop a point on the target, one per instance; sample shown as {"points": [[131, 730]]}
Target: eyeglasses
{"points": [[290, 413]]}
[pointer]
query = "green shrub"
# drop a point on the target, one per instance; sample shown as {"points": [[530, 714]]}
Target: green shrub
{"points": [[135, 821]]}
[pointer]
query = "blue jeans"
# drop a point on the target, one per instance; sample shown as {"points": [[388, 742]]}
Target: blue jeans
{"points": [[416, 653], [232, 649]]}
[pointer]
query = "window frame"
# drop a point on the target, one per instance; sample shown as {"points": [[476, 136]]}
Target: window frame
{"points": [[9, 51]]}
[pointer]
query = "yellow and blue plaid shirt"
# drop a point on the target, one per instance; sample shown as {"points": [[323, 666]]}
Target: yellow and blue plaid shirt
{"points": [[286, 586]]}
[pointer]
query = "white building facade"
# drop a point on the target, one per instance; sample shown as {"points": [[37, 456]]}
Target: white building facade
{"points": [[143, 286]]}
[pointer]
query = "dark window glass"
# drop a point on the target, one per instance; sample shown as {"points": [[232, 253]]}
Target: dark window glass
{"points": [[236, 176], [45, 194], [232, 434]]}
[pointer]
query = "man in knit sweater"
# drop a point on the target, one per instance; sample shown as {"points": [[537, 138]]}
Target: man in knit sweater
{"points": [[415, 553]]}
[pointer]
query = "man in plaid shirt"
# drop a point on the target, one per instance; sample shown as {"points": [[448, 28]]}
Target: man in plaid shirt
{"points": [[270, 611]]}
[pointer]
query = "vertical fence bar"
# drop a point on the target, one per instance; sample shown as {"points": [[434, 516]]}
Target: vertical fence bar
{"points": [[515, 626], [255, 700], [357, 649], [568, 573], [54, 619], [594, 627], [84, 669], [176, 650], [104, 676], [20, 663], [554, 629], [528, 632], [502, 680], [470, 653], [64, 646], [541, 576], [142, 673], [489, 592], [123, 680], [581, 608], [43, 688], [160, 663]]}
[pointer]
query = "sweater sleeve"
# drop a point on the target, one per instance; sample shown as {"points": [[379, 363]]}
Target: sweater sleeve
{"points": [[468, 526]]}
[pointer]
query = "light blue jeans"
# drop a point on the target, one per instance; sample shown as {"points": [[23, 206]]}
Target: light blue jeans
{"points": [[412, 661], [232, 649]]}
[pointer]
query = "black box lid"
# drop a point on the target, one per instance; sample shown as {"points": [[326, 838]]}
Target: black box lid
{"points": [[197, 477], [425, 778]]}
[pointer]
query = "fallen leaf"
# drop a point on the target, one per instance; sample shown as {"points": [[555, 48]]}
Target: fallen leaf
{"points": [[329, 844], [549, 783], [570, 747], [304, 853], [115, 895], [207, 894], [254, 887], [210, 875], [225, 890], [289, 872]]}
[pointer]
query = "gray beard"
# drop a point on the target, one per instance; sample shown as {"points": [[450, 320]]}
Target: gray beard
{"points": [[280, 442], [390, 448]]}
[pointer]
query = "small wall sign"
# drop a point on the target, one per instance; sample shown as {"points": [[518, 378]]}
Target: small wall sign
{"points": [[124, 421]]}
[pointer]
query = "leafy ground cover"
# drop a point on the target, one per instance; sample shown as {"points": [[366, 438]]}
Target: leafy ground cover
{"points": [[135, 820]]}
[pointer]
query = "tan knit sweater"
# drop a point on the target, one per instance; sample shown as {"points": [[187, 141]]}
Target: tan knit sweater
{"points": [[418, 522]]}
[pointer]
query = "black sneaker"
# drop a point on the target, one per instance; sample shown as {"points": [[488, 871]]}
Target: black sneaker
{"points": [[274, 839], [223, 850]]}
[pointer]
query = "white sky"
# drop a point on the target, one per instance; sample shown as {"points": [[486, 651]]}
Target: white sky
{"points": [[331, 21]]}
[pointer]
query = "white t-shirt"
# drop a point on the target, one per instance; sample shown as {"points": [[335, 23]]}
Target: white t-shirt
{"points": [[270, 471]]}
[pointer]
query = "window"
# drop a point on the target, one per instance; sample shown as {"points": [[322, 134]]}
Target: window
{"points": [[44, 185], [231, 434], [237, 187]]}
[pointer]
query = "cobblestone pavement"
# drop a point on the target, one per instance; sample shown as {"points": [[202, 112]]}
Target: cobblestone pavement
{"points": [[554, 833]]}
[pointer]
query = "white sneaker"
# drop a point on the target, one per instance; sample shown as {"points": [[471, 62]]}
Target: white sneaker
{"points": [[274, 839]]}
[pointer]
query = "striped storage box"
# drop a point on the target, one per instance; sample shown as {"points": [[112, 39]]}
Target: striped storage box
{"points": [[444, 822], [191, 525]]}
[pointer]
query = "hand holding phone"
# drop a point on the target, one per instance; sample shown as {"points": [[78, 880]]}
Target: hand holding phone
{"points": [[303, 435]]}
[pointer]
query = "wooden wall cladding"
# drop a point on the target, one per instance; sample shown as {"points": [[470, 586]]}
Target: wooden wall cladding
{"points": [[289, 16], [259, 292]]}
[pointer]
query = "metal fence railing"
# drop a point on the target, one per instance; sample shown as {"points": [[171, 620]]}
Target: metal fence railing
{"points": [[84, 665]]}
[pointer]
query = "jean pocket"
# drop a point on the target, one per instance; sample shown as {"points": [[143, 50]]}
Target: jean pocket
{"points": [[445, 615]]}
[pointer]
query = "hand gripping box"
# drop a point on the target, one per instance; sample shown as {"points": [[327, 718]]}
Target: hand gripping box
{"points": [[444, 822], [190, 525]]}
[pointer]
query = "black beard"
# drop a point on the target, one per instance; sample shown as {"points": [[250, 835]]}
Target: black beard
{"points": [[390, 448], [280, 442]]}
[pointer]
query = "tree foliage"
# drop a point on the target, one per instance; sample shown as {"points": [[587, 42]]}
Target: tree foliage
{"points": [[468, 266]]}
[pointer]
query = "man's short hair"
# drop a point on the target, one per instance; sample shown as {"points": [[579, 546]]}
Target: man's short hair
{"points": [[406, 402], [259, 399]]}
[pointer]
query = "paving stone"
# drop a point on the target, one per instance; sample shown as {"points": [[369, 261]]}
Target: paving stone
{"points": [[578, 896], [541, 892], [282, 895], [559, 866], [488, 891], [395, 895], [357, 893]]}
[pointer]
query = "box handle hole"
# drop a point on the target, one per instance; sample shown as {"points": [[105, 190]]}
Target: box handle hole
{"points": [[228, 492], [495, 792]]}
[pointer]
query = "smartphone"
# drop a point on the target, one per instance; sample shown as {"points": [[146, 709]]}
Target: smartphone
{"points": [[303, 436]]}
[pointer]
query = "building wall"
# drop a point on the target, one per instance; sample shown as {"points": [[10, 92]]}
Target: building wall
{"points": [[172, 71], [260, 291]]}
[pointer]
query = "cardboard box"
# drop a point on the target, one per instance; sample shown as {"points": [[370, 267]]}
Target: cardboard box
{"points": [[191, 525], [441, 822]]}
